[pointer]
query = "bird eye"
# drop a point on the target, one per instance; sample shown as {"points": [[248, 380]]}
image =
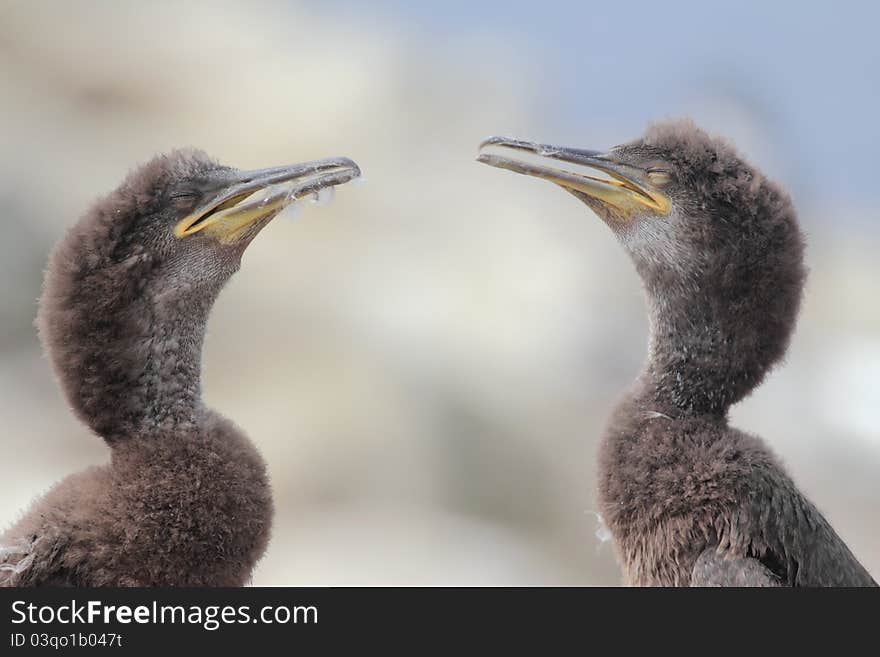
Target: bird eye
{"points": [[659, 176], [184, 198]]}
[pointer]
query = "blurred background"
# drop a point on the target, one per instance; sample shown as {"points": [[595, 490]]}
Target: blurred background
{"points": [[427, 362]]}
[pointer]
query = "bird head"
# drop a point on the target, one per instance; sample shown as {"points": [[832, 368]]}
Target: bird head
{"points": [[188, 219], [683, 204], [686, 207]]}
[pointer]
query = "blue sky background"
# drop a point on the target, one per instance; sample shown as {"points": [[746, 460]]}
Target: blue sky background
{"points": [[809, 70]]}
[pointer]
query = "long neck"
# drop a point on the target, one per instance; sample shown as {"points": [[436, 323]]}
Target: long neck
{"points": [[708, 349], [130, 366], [168, 390]]}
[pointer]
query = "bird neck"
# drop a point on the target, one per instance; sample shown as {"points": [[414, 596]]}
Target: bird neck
{"points": [[168, 392], [132, 367], [707, 349]]}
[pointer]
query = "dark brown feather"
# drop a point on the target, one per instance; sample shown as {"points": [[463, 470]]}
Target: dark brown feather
{"points": [[723, 275], [185, 498]]}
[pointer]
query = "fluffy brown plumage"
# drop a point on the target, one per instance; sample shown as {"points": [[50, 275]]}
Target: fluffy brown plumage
{"points": [[185, 499], [688, 499]]}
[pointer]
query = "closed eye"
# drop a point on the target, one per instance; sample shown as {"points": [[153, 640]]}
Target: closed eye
{"points": [[659, 176], [184, 199]]}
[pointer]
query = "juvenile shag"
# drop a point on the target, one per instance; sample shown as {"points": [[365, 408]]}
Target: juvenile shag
{"points": [[688, 499], [185, 499]]}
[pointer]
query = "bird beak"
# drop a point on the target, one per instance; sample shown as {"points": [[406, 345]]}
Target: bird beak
{"points": [[252, 196], [623, 189]]}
